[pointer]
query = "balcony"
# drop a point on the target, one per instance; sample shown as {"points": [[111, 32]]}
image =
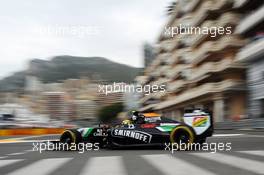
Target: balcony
{"points": [[155, 73], [196, 39], [182, 53], [186, 20], [141, 79], [211, 48], [164, 70], [175, 71], [239, 3], [210, 68], [209, 7], [166, 45], [175, 86], [221, 5], [202, 90], [200, 53], [201, 13], [190, 6], [160, 81], [252, 51], [174, 42], [228, 19], [251, 21]]}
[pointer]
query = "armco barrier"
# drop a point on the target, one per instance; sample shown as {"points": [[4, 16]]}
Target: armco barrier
{"points": [[257, 123], [30, 131]]}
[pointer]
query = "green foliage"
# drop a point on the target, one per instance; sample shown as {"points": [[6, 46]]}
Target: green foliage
{"points": [[109, 113]]}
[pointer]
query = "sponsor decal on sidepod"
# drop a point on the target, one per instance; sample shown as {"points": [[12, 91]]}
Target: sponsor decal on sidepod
{"points": [[138, 135]]}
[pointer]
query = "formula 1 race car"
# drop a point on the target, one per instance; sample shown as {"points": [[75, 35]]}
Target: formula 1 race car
{"points": [[152, 130]]}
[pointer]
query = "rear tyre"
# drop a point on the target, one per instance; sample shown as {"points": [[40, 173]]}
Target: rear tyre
{"points": [[71, 136], [182, 137]]}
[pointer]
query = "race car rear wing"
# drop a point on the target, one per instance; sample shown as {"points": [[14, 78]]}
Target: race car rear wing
{"points": [[200, 121]]}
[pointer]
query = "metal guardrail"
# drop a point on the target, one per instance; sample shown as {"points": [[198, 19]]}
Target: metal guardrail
{"points": [[242, 124]]}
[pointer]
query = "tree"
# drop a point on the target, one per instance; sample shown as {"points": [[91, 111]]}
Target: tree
{"points": [[109, 113]]}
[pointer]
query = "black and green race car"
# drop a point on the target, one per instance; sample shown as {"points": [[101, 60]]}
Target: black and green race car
{"points": [[154, 130]]}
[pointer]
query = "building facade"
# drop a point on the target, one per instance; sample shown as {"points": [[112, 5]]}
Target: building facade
{"points": [[252, 27], [201, 70]]}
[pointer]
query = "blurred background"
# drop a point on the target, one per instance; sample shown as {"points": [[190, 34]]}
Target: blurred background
{"points": [[222, 74]]}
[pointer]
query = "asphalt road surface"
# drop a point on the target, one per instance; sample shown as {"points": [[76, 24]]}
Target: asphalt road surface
{"points": [[17, 157]]}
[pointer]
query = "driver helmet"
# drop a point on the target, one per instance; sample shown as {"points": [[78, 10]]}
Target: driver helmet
{"points": [[135, 115], [126, 122]]}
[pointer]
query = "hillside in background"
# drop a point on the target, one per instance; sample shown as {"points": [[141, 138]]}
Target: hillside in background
{"points": [[66, 67]]}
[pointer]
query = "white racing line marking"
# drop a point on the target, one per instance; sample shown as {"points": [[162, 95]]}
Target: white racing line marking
{"points": [[238, 162], [41, 167], [167, 164], [15, 154], [30, 150], [8, 162], [104, 165]]}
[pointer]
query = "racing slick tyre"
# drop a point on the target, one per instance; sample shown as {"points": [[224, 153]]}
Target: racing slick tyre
{"points": [[71, 136], [182, 136]]}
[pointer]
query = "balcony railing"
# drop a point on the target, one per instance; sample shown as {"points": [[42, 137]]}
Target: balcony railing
{"points": [[190, 6], [211, 47], [183, 52], [167, 45], [221, 5], [201, 13], [210, 67], [200, 53], [251, 51], [198, 38], [214, 67], [176, 85], [176, 70], [141, 79], [208, 7], [202, 90], [164, 70], [251, 20], [239, 3], [228, 19]]}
